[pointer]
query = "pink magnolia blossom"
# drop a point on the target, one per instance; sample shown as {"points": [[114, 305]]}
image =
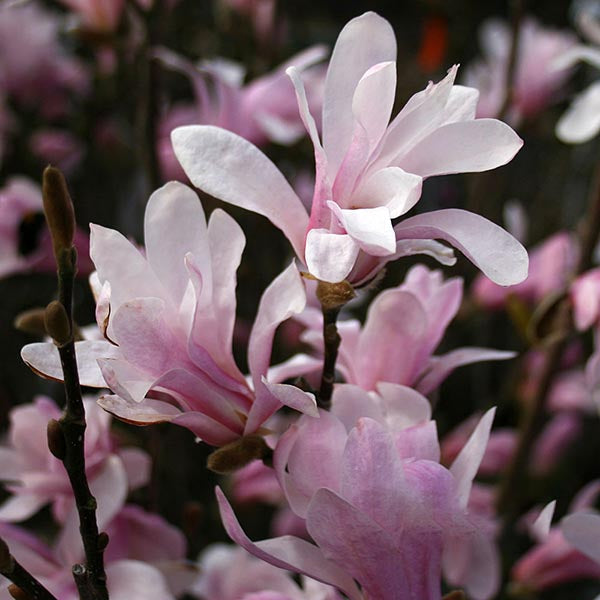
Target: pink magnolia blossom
{"points": [[537, 81], [38, 73], [368, 171], [168, 318], [230, 573], [35, 477], [97, 15], [555, 560], [25, 243], [550, 264], [585, 297], [144, 558], [380, 508], [260, 111], [403, 327]]}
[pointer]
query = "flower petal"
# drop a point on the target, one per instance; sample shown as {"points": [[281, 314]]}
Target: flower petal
{"points": [[581, 122], [330, 256]]}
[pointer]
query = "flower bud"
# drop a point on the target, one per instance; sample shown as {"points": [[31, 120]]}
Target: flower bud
{"points": [[31, 321], [56, 439], [237, 454], [57, 323], [17, 593], [333, 296], [58, 207]]}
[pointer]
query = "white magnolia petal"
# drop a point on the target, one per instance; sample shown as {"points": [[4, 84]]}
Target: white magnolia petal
{"points": [[581, 122], [330, 256]]}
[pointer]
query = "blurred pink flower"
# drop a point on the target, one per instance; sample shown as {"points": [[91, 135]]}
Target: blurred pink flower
{"points": [[261, 111], [537, 81], [550, 446], [144, 558], [25, 243], [585, 297], [554, 560], [168, 318], [57, 147], [35, 477], [550, 264], [403, 327], [230, 573], [38, 73], [368, 171], [381, 509]]}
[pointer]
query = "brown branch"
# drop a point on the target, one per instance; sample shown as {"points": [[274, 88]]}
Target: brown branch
{"points": [[517, 10], [66, 437]]}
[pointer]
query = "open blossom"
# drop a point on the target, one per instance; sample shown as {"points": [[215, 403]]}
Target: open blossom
{"points": [[404, 325], [368, 171], [537, 81], [380, 508], [260, 111], [25, 243], [145, 557], [35, 477], [556, 559], [230, 573], [168, 319], [40, 72]]}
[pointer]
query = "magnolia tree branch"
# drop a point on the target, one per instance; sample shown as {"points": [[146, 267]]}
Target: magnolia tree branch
{"points": [[517, 10], [332, 296], [66, 436], [25, 585], [561, 327]]}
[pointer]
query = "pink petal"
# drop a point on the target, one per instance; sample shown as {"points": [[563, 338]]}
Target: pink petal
{"points": [[22, 506], [463, 147], [330, 257], [288, 553], [127, 579], [583, 531], [230, 168], [138, 466], [499, 255], [581, 121], [293, 397], [364, 42]]}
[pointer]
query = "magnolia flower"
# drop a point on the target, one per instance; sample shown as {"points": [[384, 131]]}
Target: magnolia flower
{"points": [[168, 318], [25, 243], [368, 171], [230, 573], [144, 558], [550, 264], [35, 477], [555, 560], [581, 121], [39, 72], [380, 508], [260, 111], [403, 327], [537, 81]]}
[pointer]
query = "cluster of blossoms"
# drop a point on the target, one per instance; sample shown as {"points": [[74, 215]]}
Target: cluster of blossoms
{"points": [[375, 499]]}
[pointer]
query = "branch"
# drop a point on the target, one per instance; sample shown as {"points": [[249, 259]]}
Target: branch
{"points": [[66, 437], [517, 10]]}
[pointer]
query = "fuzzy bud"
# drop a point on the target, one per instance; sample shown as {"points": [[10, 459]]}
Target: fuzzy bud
{"points": [[333, 296], [17, 593], [58, 207], [103, 540], [56, 439], [57, 323], [237, 454], [31, 322]]}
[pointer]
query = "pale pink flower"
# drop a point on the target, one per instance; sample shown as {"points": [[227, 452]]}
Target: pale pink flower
{"points": [[554, 560], [25, 243], [380, 508], [36, 478], [537, 81], [168, 318], [97, 15], [404, 325], [230, 573], [34, 68], [550, 264], [144, 558], [369, 171], [261, 111]]}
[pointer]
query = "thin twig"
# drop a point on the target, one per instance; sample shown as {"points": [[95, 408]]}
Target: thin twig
{"points": [[331, 341], [517, 10], [23, 579], [69, 446]]}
